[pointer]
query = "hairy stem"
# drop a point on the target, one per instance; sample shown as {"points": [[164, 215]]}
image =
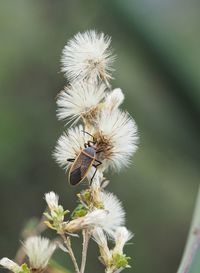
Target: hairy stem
{"points": [[86, 238], [67, 243]]}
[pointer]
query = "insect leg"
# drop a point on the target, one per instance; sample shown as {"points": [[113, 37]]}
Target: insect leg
{"points": [[98, 162], [95, 165], [71, 159]]}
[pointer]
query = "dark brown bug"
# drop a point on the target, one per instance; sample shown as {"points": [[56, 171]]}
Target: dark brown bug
{"points": [[83, 162]]}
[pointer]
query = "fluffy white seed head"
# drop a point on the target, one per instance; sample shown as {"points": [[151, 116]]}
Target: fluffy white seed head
{"points": [[87, 56], [90, 220], [116, 214], [10, 265], [69, 145], [80, 99], [114, 99], [95, 218], [52, 200], [121, 237], [39, 250], [117, 136], [109, 218]]}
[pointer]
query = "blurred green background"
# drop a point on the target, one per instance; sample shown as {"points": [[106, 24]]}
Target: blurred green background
{"points": [[158, 66]]}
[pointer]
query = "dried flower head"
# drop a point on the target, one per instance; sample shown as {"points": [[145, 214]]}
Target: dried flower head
{"points": [[10, 265], [117, 138], [39, 250], [81, 99], [87, 57]]}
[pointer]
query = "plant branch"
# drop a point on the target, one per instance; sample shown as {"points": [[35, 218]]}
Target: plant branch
{"points": [[67, 243], [86, 238]]}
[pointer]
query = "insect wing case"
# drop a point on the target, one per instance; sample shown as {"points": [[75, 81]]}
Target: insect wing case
{"points": [[81, 166]]}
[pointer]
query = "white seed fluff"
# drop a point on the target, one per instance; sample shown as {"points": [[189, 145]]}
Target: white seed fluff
{"points": [[95, 218], [121, 237], [79, 100], [120, 130], [116, 214], [39, 250], [69, 145], [52, 200], [87, 56], [100, 238], [109, 218], [114, 99], [10, 265]]}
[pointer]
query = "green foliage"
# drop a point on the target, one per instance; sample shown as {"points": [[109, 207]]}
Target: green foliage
{"points": [[24, 269], [79, 211], [121, 261]]}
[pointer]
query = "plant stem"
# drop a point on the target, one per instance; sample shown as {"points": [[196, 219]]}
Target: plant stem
{"points": [[194, 248], [193, 241], [67, 243], [86, 238]]}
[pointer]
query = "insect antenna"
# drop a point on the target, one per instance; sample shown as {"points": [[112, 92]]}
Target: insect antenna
{"points": [[88, 134]]}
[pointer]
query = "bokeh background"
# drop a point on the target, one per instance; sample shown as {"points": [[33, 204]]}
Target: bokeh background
{"points": [[157, 43]]}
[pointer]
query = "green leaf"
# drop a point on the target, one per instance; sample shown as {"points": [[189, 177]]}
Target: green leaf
{"points": [[191, 258], [24, 269], [120, 261], [79, 211]]}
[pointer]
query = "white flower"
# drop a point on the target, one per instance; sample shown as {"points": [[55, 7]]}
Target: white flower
{"points": [[10, 265], [114, 99], [39, 250], [121, 237], [87, 56], [52, 200], [81, 99], [117, 137], [69, 145], [116, 214]]}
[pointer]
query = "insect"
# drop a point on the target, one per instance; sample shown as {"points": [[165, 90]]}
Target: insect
{"points": [[83, 162]]}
